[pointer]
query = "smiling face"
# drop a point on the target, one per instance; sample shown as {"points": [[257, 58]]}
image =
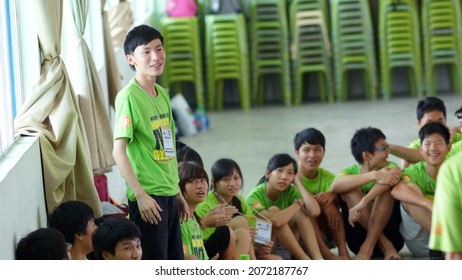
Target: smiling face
{"points": [[309, 157], [229, 186], [434, 149], [280, 178], [127, 249], [148, 59], [196, 191]]}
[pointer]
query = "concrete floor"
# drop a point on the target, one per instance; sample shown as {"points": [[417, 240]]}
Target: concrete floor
{"points": [[251, 138]]}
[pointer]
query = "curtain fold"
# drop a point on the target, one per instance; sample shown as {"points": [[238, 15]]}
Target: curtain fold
{"points": [[51, 113], [120, 21], [112, 70], [87, 86]]}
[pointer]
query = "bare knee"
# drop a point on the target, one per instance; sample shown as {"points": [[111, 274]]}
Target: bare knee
{"points": [[239, 222]]}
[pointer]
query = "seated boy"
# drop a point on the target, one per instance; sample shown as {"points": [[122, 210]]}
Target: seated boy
{"points": [[365, 192], [76, 221], [430, 109], [417, 188], [309, 147], [117, 238], [42, 244]]}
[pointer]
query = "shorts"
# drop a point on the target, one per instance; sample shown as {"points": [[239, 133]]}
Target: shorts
{"points": [[355, 236], [415, 236], [218, 241]]}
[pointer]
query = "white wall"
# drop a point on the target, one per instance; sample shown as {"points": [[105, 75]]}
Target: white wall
{"points": [[21, 188]]}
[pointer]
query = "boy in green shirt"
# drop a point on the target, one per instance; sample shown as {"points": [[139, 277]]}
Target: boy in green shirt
{"points": [[364, 189], [447, 209], [144, 149], [417, 188], [309, 147], [429, 109]]}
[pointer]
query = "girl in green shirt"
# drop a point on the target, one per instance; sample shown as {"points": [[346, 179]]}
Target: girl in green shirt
{"points": [[194, 186], [289, 206]]}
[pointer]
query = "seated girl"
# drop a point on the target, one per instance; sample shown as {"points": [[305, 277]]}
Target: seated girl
{"points": [[289, 206], [194, 187]]}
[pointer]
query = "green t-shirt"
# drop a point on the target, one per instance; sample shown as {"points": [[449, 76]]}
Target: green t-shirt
{"points": [[209, 203], [322, 182], [258, 199], [139, 118], [417, 174], [455, 147], [355, 170], [193, 243], [445, 234]]}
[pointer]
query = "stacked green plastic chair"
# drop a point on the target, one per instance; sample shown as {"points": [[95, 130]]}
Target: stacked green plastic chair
{"points": [[352, 37], [226, 52], [311, 52], [399, 34], [269, 47], [184, 59], [441, 22]]}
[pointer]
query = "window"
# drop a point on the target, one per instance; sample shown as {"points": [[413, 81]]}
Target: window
{"points": [[10, 98]]}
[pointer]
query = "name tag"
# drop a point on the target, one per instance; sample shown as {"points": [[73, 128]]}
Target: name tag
{"points": [[263, 234], [167, 139]]}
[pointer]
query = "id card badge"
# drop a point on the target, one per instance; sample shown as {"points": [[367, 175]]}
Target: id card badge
{"points": [[263, 235], [167, 139]]}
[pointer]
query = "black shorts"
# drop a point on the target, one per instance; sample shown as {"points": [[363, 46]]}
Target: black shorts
{"points": [[355, 236], [218, 242]]}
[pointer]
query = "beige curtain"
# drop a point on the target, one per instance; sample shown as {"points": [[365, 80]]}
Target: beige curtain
{"points": [[51, 113], [120, 20], [86, 84], [112, 71]]}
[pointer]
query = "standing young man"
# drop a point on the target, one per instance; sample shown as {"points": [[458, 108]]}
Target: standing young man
{"points": [[144, 148]]}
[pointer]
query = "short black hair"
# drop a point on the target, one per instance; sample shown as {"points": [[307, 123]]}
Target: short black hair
{"points": [[430, 104], [431, 128], [71, 218], [139, 36], [42, 244], [364, 140], [311, 136], [111, 231], [186, 153]]}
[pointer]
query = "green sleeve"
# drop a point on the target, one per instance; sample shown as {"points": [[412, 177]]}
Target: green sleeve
{"points": [[446, 221], [255, 200], [203, 208]]}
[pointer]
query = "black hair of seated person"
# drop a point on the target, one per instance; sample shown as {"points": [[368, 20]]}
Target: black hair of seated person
{"points": [[42, 244], [186, 153], [458, 112]]}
